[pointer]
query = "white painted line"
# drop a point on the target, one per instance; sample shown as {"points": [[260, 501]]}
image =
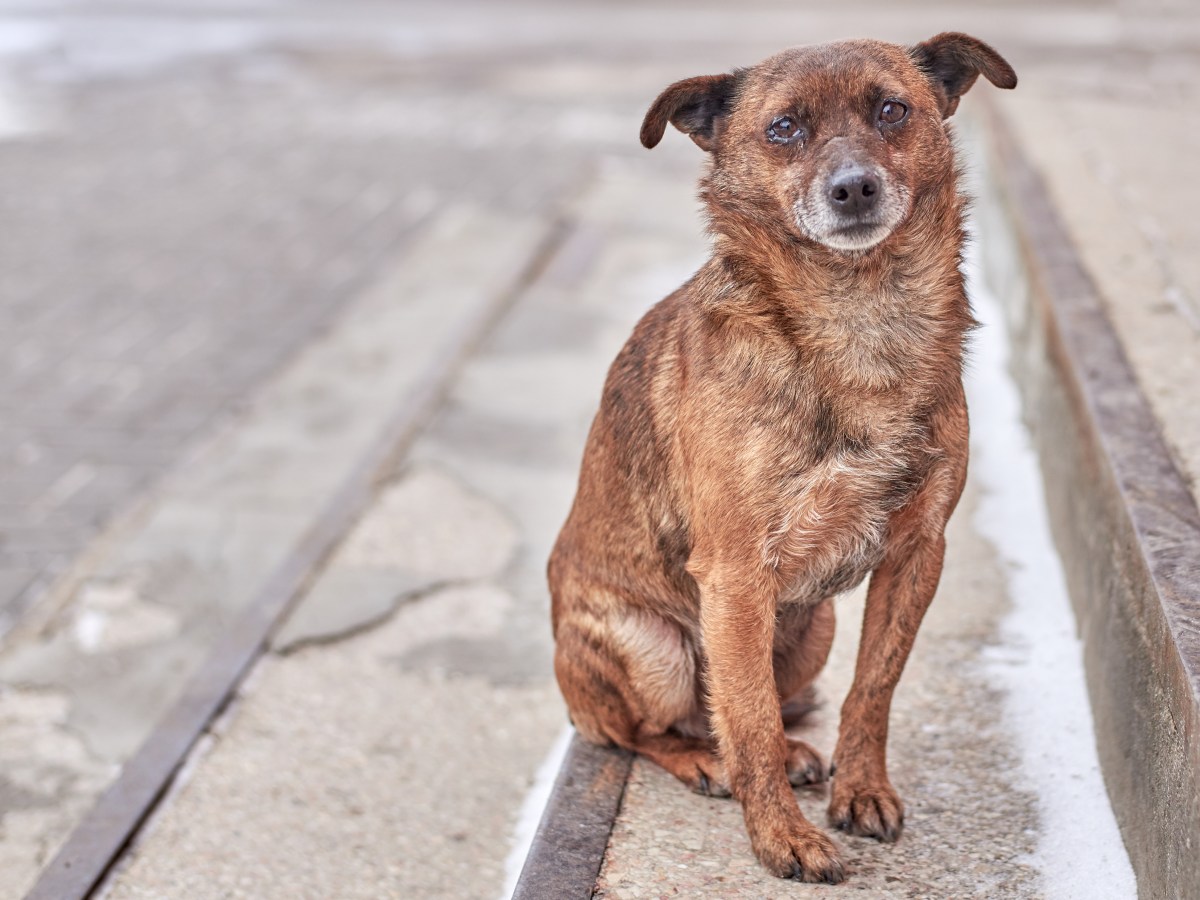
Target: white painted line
{"points": [[1040, 661], [531, 810]]}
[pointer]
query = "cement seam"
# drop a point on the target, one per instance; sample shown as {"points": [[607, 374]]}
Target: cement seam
{"points": [[97, 842], [1129, 528]]}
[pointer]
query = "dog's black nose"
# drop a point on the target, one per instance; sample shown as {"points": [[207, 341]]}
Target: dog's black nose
{"points": [[853, 190]]}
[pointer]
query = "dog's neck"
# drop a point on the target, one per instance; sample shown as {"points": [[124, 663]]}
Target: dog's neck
{"points": [[871, 315]]}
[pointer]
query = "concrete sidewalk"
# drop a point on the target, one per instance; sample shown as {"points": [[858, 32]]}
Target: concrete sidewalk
{"points": [[407, 749], [385, 745]]}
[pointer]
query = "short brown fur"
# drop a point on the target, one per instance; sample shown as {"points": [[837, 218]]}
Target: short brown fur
{"points": [[785, 423]]}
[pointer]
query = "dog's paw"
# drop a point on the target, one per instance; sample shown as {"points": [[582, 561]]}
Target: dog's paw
{"points": [[802, 852], [868, 810], [710, 779], [804, 764]]}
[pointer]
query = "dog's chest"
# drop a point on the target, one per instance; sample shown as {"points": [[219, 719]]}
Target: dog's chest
{"points": [[830, 527]]}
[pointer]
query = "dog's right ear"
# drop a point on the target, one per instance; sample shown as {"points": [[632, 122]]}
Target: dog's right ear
{"points": [[952, 61], [695, 106]]}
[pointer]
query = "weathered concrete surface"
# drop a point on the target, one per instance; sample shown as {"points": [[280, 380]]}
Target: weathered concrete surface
{"points": [[423, 532], [144, 612], [311, 792], [172, 237], [433, 722], [1122, 517], [50, 779]]}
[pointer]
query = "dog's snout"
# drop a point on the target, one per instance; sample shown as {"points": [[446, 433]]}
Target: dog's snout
{"points": [[853, 190]]}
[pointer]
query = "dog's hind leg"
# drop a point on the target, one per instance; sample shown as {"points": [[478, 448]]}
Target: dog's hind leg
{"points": [[630, 680], [803, 636], [692, 760]]}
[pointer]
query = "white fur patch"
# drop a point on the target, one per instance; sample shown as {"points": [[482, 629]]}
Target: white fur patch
{"points": [[825, 225]]}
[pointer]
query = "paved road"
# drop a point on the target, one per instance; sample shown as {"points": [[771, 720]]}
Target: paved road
{"points": [[185, 199]]}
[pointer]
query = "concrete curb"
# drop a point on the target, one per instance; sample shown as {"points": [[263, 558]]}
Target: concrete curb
{"points": [[1124, 519], [569, 846]]}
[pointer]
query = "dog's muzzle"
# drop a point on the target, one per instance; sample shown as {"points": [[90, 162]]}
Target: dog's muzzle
{"points": [[854, 208]]}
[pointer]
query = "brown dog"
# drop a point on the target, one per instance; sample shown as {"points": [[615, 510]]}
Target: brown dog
{"points": [[789, 420]]}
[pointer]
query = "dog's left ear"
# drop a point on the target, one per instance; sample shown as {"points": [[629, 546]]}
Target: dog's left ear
{"points": [[694, 106], [953, 61]]}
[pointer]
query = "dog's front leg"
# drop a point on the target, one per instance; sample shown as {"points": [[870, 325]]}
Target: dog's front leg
{"points": [[863, 800], [738, 624]]}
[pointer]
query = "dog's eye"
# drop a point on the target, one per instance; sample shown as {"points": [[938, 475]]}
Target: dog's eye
{"points": [[783, 130], [893, 111]]}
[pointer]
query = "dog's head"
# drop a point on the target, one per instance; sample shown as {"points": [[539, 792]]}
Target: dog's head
{"points": [[835, 140]]}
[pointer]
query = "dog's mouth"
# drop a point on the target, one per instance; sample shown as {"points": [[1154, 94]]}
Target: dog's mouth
{"points": [[856, 236], [845, 236]]}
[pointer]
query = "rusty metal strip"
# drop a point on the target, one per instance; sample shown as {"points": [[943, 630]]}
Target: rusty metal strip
{"points": [[98, 841], [1128, 528], [568, 848]]}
